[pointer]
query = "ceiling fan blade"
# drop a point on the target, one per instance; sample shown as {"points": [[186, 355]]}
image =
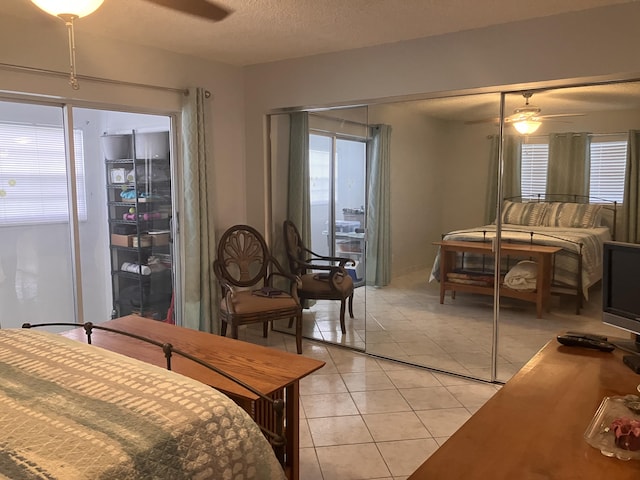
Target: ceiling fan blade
{"points": [[555, 115], [198, 8], [482, 120]]}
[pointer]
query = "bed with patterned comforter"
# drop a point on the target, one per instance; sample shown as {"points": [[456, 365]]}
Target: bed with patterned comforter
{"points": [[578, 264], [74, 411]]}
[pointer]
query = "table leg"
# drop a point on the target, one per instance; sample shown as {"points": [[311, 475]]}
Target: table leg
{"points": [[292, 433]]}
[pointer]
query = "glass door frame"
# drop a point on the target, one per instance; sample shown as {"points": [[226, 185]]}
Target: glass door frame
{"points": [[67, 107]]}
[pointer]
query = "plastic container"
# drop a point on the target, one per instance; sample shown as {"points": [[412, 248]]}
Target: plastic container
{"points": [[599, 433], [116, 147], [152, 145]]}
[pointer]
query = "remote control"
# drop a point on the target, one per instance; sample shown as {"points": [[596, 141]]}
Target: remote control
{"points": [[591, 336], [574, 341]]}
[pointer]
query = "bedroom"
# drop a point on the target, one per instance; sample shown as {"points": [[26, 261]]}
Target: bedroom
{"points": [[467, 60], [407, 79]]}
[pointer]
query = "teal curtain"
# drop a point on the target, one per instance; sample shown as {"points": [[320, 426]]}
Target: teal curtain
{"points": [[378, 262], [511, 176], [569, 165], [631, 199], [200, 291], [299, 198]]}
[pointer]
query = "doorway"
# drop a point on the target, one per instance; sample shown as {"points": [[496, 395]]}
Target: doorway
{"points": [[56, 248]]}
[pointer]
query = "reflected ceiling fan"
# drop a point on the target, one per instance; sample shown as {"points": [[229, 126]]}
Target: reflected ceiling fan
{"points": [[527, 119], [69, 10]]}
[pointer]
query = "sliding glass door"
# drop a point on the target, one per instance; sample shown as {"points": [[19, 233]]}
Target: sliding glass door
{"points": [[36, 266], [337, 170], [56, 216]]}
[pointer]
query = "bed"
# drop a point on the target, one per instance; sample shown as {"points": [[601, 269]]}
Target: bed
{"points": [[579, 228], [70, 410]]}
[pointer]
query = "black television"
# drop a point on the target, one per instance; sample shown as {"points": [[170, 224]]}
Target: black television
{"points": [[621, 291]]}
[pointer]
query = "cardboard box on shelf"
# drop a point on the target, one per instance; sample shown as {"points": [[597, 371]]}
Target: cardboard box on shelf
{"points": [[159, 238], [122, 240], [145, 241]]}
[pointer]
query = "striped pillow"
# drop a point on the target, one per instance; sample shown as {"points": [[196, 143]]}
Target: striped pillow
{"points": [[530, 214], [573, 215]]}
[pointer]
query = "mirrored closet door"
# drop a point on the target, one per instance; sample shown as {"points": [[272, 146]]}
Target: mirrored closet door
{"points": [[544, 182], [318, 168]]}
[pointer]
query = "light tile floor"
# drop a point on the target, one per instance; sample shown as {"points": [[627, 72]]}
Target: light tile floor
{"points": [[364, 417], [368, 418]]}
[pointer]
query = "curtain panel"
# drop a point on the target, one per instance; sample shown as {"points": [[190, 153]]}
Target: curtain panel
{"points": [[511, 179], [631, 199], [200, 291], [569, 164], [378, 255]]}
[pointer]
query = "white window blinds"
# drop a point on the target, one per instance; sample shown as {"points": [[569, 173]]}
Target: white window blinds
{"points": [[534, 169], [33, 175], [608, 163]]}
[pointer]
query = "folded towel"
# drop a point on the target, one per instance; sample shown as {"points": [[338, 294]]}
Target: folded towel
{"points": [[522, 276]]}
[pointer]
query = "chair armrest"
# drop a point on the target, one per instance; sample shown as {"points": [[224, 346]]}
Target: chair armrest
{"points": [[342, 261]]}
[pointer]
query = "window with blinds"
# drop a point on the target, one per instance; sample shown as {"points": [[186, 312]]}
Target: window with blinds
{"points": [[606, 174], [534, 169], [33, 175], [608, 163]]}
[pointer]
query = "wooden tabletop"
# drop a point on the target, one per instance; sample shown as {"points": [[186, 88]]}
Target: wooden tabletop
{"points": [[533, 428], [266, 369]]}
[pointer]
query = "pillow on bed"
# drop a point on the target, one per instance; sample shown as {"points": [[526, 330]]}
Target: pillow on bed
{"points": [[573, 215], [516, 213]]}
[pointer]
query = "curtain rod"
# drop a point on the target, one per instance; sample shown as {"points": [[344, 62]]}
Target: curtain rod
{"points": [[42, 71], [337, 119]]}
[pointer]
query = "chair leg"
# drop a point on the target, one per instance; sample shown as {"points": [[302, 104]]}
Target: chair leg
{"points": [[234, 330], [299, 333], [223, 328], [291, 322], [265, 329], [342, 309], [351, 305]]}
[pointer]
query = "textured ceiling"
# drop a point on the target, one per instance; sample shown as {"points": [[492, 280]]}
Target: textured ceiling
{"points": [[260, 31]]}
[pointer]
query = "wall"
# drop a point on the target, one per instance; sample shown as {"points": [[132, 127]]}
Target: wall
{"points": [[543, 50], [44, 45]]}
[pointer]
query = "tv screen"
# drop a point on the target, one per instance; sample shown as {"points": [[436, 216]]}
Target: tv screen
{"points": [[621, 290]]}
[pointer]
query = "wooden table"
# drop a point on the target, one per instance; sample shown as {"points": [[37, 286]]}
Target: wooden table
{"points": [[532, 429], [542, 254], [272, 372]]}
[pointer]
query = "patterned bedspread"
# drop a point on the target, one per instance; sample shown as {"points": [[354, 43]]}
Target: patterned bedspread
{"points": [[565, 262], [74, 411]]}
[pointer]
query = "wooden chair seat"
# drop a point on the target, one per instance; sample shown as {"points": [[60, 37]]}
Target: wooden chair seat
{"points": [[313, 284]]}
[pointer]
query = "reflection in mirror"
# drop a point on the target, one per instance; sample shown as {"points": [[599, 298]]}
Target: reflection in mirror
{"points": [[438, 177], [567, 172], [318, 182], [577, 155]]}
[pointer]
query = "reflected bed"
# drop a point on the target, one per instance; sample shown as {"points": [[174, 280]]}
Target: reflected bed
{"points": [[577, 228]]}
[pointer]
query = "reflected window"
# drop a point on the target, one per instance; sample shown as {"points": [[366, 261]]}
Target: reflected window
{"points": [[608, 158], [608, 163], [319, 169], [535, 158], [33, 175]]}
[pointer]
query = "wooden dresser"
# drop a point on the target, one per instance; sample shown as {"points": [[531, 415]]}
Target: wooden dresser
{"points": [[533, 428]]}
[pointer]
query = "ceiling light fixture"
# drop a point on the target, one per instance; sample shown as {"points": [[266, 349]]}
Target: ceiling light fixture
{"points": [[527, 127], [68, 11]]}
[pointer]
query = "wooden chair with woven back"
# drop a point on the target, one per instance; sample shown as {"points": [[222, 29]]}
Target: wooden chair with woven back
{"points": [[246, 271], [322, 277]]}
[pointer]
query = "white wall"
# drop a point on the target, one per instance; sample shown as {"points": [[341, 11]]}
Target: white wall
{"points": [[593, 43], [45, 46]]}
